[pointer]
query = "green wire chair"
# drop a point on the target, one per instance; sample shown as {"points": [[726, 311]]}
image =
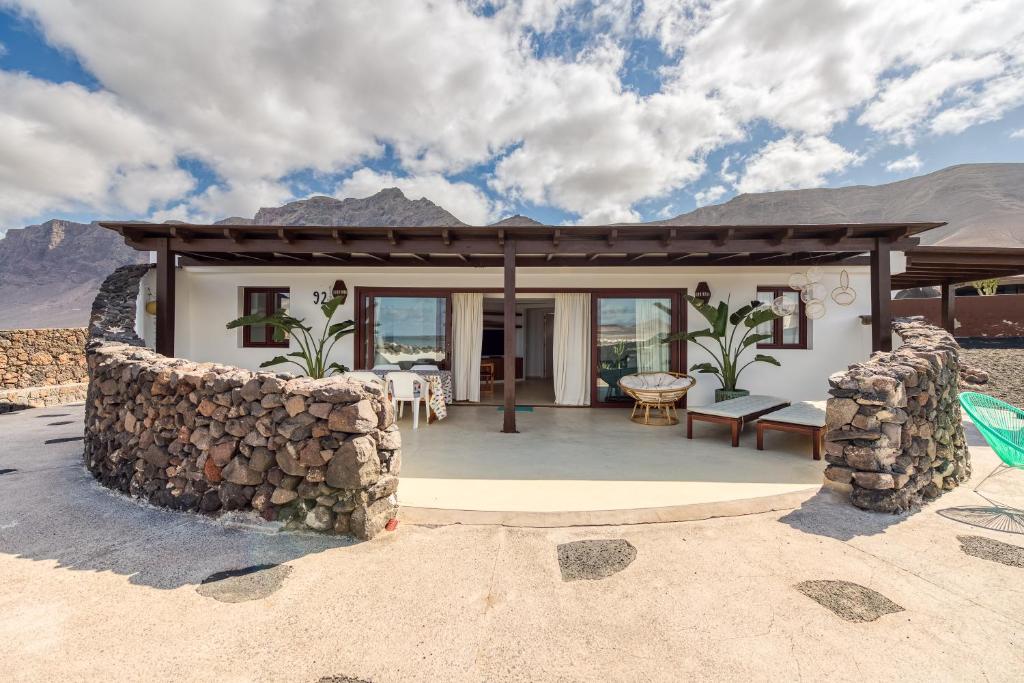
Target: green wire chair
{"points": [[1002, 426]]}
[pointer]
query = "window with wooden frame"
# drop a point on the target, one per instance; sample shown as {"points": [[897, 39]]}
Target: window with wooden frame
{"points": [[790, 331], [263, 301]]}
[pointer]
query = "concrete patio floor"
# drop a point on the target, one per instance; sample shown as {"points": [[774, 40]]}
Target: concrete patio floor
{"points": [[97, 586], [581, 460]]}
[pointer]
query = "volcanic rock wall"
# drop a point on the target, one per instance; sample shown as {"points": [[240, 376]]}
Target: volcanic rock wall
{"points": [[41, 367], [894, 428]]}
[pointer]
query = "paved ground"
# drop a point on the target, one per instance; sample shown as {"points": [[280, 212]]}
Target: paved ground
{"points": [[96, 586]]}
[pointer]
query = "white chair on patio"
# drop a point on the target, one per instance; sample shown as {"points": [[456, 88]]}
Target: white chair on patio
{"points": [[408, 387], [387, 366], [368, 377]]}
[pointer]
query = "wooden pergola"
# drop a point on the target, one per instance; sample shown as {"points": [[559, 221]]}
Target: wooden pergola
{"points": [[512, 247], [946, 267]]}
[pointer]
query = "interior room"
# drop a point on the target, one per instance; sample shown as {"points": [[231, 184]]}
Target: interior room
{"points": [[534, 342]]}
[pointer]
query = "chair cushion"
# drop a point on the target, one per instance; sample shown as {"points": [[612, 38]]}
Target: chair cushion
{"points": [[740, 407], [810, 413], [655, 380]]}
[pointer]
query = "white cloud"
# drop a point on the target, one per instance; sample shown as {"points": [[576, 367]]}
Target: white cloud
{"points": [[792, 163], [1019, 133], [908, 163], [3, 49], [465, 201], [66, 148], [710, 195], [448, 88]]}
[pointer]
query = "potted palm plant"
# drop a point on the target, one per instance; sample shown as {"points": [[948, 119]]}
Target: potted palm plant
{"points": [[314, 351], [725, 340]]}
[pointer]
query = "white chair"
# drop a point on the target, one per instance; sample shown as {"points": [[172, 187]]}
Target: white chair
{"points": [[387, 366], [369, 377], [408, 387], [427, 368]]}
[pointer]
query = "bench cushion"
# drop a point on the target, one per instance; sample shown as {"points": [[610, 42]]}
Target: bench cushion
{"points": [[656, 380], [740, 407], [810, 413]]}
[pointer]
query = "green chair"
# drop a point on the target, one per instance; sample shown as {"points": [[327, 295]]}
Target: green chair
{"points": [[1002, 426]]}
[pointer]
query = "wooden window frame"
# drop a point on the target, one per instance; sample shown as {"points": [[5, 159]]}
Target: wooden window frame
{"points": [[365, 322], [804, 340], [271, 294]]}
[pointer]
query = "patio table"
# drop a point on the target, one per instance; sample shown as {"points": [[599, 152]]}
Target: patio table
{"points": [[443, 376]]}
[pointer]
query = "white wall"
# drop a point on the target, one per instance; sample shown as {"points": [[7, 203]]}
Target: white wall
{"points": [[208, 297]]}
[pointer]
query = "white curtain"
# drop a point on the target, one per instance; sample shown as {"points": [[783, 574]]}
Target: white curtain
{"points": [[652, 324], [468, 333], [572, 349]]}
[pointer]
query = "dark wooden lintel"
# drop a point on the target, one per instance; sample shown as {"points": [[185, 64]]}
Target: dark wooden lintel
{"points": [[781, 237], [722, 239]]}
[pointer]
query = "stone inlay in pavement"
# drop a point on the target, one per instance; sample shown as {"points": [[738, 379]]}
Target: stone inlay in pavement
{"points": [[52, 415], [59, 423], [64, 439], [849, 601], [242, 585], [7, 470], [594, 559], [992, 550]]}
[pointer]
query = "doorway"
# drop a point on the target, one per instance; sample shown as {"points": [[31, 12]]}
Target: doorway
{"points": [[534, 336]]}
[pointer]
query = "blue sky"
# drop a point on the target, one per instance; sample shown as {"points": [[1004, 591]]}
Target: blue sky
{"points": [[569, 111]]}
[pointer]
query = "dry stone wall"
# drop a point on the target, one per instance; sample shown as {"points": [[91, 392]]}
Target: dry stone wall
{"points": [[315, 454], [41, 367], [321, 454], [895, 436]]}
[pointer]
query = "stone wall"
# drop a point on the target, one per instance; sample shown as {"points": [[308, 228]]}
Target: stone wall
{"points": [[37, 358], [41, 367], [895, 436], [319, 454]]}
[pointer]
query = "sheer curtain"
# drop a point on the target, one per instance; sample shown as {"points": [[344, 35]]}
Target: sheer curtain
{"points": [[572, 349], [468, 336], [652, 325]]}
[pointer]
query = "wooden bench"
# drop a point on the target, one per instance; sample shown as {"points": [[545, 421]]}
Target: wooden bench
{"points": [[805, 417], [735, 412]]}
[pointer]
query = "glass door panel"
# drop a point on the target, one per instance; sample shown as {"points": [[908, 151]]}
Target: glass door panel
{"points": [[628, 335], [409, 330]]}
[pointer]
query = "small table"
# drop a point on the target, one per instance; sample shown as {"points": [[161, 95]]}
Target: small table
{"points": [[735, 412], [444, 376]]}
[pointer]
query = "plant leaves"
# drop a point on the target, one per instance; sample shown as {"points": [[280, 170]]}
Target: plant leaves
{"points": [[760, 316], [741, 312], [336, 367], [706, 368], [721, 319], [755, 339], [763, 358], [254, 319], [331, 305], [276, 360], [338, 330]]}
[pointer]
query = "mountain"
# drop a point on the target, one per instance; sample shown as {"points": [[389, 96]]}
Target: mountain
{"points": [[983, 205], [49, 273]]}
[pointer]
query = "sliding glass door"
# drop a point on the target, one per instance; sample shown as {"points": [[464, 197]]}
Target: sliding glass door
{"points": [[405, 330], [629, 330]]}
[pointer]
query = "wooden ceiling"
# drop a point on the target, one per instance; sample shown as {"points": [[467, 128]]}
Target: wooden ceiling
{"points": [[932, 266], [544, 245]]}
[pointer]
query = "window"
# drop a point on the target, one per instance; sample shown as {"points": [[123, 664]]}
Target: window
{"points": [[790, 331], [263, 300], [406, 330]]}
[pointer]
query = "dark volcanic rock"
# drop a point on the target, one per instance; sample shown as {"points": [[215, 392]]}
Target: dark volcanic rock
{"points": [[597, 559]]}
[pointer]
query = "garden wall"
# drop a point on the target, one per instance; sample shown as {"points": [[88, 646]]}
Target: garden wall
{"points": [[895, 436], [1000, 315], [41, 367], [318, 454]]}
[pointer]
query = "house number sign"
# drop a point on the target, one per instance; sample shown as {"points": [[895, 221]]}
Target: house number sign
{"points": [[320, 297]]}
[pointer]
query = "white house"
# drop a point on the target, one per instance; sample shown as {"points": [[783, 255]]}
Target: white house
{"points": [[566, 310]]}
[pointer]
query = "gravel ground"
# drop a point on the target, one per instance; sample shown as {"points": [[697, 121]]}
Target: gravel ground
{"points": [[1005, 367]]}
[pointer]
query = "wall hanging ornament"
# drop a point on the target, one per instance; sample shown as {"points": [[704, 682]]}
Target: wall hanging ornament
{"points": [[781, 306], [813, 274], [797, 281], [844, 294], [814, 309], [813, 291]]}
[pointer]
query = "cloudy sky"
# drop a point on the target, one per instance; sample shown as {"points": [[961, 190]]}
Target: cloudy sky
{"points": [[568, 111]]}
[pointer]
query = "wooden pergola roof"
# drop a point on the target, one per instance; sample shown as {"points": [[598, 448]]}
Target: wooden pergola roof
{"points": [[937, 266], [536, 245]]}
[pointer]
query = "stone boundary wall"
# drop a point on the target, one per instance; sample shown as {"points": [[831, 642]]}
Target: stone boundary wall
{"points": [[42, 397], [202, 437], [322, 454], [895, 436], [44, 357]]}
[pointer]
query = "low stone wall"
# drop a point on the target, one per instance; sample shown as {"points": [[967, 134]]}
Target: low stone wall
{"points": [[42, 397], [895, 436], [45, 357], [320, 454]]}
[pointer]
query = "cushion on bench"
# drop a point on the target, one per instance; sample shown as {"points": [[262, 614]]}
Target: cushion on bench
{"points": [[740, 407], [655, 380], [810, 413]]}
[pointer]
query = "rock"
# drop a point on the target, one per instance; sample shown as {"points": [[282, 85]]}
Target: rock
{"points": [[295, 405], [368, 521], [357, 418], [355, 464], [320, 410], [211, 471], [296, 428], [223, 452], [873, 480], [201, 438], [309, 454], [289, 464], [261, 459], [320, 518], [238, 472], [842, 475], [283, 496], [261, 499]]}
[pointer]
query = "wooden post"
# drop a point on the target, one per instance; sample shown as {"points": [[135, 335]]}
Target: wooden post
{"points": [[881, 296], [949, 307], [509, 426], [164, 298]]}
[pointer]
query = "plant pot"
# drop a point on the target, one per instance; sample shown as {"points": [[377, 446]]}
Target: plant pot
{"points": [[726, 394]]}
